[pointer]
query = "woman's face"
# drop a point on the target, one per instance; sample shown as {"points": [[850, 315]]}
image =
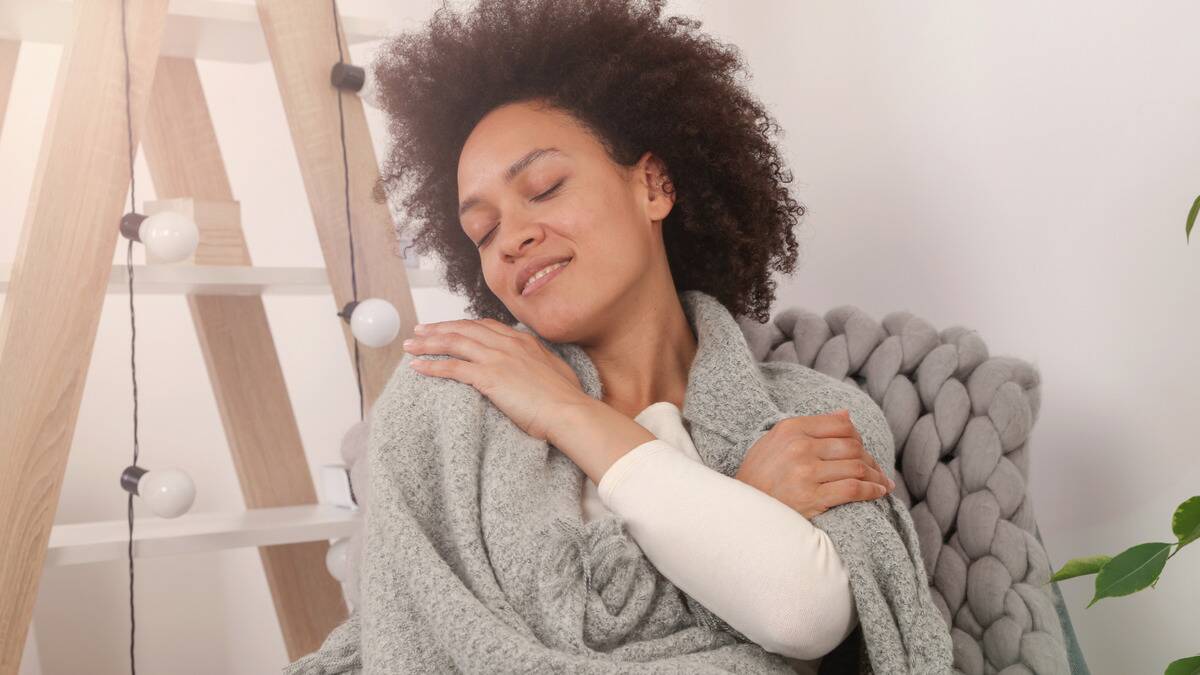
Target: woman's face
{"points": [[535, 187]]}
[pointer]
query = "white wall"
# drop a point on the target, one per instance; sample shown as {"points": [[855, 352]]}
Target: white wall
{"points": [[1023, 169]]}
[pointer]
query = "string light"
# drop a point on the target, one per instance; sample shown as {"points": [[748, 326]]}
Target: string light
{"points": [[172, 237], [337, 558], [169, 238], [373, 322], [355, 78]]}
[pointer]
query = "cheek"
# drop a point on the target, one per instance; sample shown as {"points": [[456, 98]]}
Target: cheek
{"points": [[491, 277], [619, 257]]}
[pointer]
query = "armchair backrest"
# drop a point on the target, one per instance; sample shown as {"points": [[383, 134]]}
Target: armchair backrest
{"points": [[961, 421]]}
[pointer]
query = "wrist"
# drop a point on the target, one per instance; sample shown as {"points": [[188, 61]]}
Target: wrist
{"points": [[594, 435], [572, 415]]}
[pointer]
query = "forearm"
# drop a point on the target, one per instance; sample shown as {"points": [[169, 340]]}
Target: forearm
{"points": [[594, 436], [750, 559]]}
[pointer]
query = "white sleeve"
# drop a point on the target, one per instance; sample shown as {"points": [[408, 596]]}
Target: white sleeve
{"points": [[747, 557]]}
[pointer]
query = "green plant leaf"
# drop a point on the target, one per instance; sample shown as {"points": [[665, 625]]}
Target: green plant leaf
{"points": [[1077, 567], [1131, 570], [1188, 666], [1192, 219], [1185, 523]]}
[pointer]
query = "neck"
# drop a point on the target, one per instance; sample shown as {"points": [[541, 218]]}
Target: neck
{"points": [[646, 352]]}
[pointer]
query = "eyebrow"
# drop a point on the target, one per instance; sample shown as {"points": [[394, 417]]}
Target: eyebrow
{"points": [[509, 174]]}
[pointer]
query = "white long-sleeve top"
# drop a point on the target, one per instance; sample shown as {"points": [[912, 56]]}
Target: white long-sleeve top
{"points": [[749, 558]]}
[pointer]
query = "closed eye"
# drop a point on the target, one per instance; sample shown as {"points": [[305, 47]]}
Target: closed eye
{"points": [[487, 237]]}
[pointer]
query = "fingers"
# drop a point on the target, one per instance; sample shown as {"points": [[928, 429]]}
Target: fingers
{"points": [[454, 369], [845, 448], [452, 344], [850, 490], [830, 471], [480, 329], [834, 425]]}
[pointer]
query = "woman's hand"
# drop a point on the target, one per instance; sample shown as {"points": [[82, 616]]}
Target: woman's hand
{"points": [[526, 381], [813, 463]]}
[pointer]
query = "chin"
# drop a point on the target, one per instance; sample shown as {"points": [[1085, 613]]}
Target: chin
{"points": [[557, 323]]}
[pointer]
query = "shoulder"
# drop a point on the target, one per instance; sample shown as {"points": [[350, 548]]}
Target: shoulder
{"points": [[412, 416], [795, 386], [802, 391], [415, 397]]}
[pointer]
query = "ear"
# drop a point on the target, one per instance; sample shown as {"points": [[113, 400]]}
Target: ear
{"points": [[651, 174]]}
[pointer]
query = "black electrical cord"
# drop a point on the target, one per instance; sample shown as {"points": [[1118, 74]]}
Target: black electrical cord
{"points": [[129, 270], [346, 170], [133, 332]]}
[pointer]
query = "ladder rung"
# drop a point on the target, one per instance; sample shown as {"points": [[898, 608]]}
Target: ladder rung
{"points": [[101, 541], [230, 279]]}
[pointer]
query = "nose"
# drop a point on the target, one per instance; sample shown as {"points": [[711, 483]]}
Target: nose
{"points": [[520, 235]]}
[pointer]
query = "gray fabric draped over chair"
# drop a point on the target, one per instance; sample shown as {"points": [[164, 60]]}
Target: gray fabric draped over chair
{"points": [[962, 422]]}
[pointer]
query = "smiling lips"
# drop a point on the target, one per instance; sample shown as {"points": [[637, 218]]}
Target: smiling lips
{"points": [[543, 277]]}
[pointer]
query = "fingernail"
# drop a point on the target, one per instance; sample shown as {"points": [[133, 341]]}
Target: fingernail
{"points": [[408, 343], [420, 328], [892, 483]]}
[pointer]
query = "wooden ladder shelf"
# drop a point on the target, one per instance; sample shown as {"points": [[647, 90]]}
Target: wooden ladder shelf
{"points": [[63, 268]]}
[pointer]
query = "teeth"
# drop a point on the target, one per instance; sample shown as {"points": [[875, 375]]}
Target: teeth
{"points": [[543, 272]]}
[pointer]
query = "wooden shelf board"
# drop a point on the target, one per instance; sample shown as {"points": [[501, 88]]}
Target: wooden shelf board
{"points": [[101, 541], [229, 279]]}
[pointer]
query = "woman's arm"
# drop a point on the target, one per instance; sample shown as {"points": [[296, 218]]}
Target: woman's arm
{"points": [[748, 558], [594, 435]]}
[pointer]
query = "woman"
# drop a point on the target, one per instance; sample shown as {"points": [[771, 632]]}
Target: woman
{"points": [[615, 186], [572, 244]]}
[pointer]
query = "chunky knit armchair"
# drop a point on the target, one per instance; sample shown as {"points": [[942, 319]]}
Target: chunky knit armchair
{"points": [[961, 422]]}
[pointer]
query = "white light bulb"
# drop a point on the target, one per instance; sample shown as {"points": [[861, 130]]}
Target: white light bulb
{"points": [[168, 492], [169, 236], [336, 560], [374, 322]]}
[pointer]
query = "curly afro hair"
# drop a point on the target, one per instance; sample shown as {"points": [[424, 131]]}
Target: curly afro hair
{"points": [[637, 81]]}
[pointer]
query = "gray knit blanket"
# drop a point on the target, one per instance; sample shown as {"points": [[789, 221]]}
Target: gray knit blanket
{"points": [[477, 558]]}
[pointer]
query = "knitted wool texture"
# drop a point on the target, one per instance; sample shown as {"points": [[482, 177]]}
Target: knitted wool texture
{"points": [[962, 421], [477, 559]]}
